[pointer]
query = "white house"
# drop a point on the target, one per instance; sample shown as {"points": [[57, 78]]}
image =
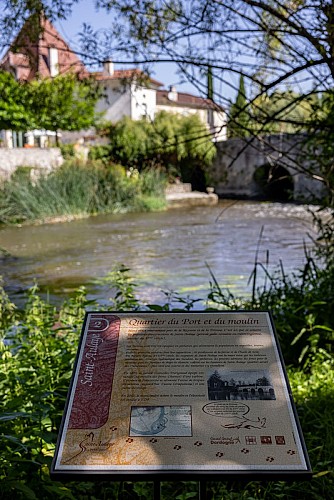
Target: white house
{"points": [[126, 93], [131, 93]]}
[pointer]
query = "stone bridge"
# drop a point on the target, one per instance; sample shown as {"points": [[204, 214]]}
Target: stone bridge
{"points": [[266, 168]]}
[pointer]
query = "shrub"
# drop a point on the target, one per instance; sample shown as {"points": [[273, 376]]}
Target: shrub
{"points": [[99, 152], [181, 145], [67, 151]]}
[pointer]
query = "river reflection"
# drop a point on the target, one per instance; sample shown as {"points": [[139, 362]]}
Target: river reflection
{"points": [[164, 250]]}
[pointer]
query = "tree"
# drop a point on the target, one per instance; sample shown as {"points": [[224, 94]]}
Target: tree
{"points": [[283, 49], [262, 381], [64, 103], [15, 109], [238, 125], [239, 37], [291, 112], [181, 145], [61, 103], [275, 45], [268, 42], [129, 141], [321, 153]]}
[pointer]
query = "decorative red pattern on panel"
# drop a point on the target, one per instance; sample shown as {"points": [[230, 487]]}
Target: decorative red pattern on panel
{"points": [[94, 384]]}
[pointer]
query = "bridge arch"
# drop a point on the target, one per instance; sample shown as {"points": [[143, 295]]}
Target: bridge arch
{"points": [[256, 170], [274, 182]]}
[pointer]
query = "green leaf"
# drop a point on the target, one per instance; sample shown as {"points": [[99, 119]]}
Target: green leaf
{"points": [[324, 327], [4, 417], [28, 492], [323, 473], [300, 334], [302, 354], [14, 440], [154, 307]]}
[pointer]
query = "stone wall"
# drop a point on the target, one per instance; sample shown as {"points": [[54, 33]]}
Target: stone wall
{"points": [[179, 187], [41, 160]]}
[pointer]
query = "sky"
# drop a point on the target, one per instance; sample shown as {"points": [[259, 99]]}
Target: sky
{"points": [[166, 73], [85, 11]]}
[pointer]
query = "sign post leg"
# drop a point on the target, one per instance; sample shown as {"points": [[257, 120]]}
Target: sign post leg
{"points": [[202, 490], [156, 490]]}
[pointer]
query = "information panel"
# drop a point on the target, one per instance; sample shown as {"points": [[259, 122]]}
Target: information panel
{"points": [[180, 393]]}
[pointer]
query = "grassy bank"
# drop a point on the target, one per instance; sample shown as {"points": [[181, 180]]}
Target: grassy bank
{"points": [[37, 352], [78, 189]]}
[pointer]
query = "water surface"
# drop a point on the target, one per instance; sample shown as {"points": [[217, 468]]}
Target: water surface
{"points": [[164, 250]]}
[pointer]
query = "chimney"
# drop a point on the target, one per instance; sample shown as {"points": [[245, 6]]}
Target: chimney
{"points": [[172, 94], [108, 67]]}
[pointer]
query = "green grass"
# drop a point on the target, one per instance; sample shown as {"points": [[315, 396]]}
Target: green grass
{"points": [[79, 189]]}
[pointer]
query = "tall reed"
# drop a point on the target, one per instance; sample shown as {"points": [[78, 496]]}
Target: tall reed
{"points": [[79, 189]]}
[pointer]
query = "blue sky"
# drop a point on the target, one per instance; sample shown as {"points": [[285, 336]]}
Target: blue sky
{"points": [[85, 11]]}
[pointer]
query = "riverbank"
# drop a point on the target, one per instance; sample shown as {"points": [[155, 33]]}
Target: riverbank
{"points": [[77, 190], [181, 195], [193, 199]]}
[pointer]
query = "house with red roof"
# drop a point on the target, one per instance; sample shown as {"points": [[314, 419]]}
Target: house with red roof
{"points": [[43, 55], [125, 92], [186, 104]]}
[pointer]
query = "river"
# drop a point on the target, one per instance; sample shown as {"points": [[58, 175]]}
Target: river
{"points": [[164, 250]]}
